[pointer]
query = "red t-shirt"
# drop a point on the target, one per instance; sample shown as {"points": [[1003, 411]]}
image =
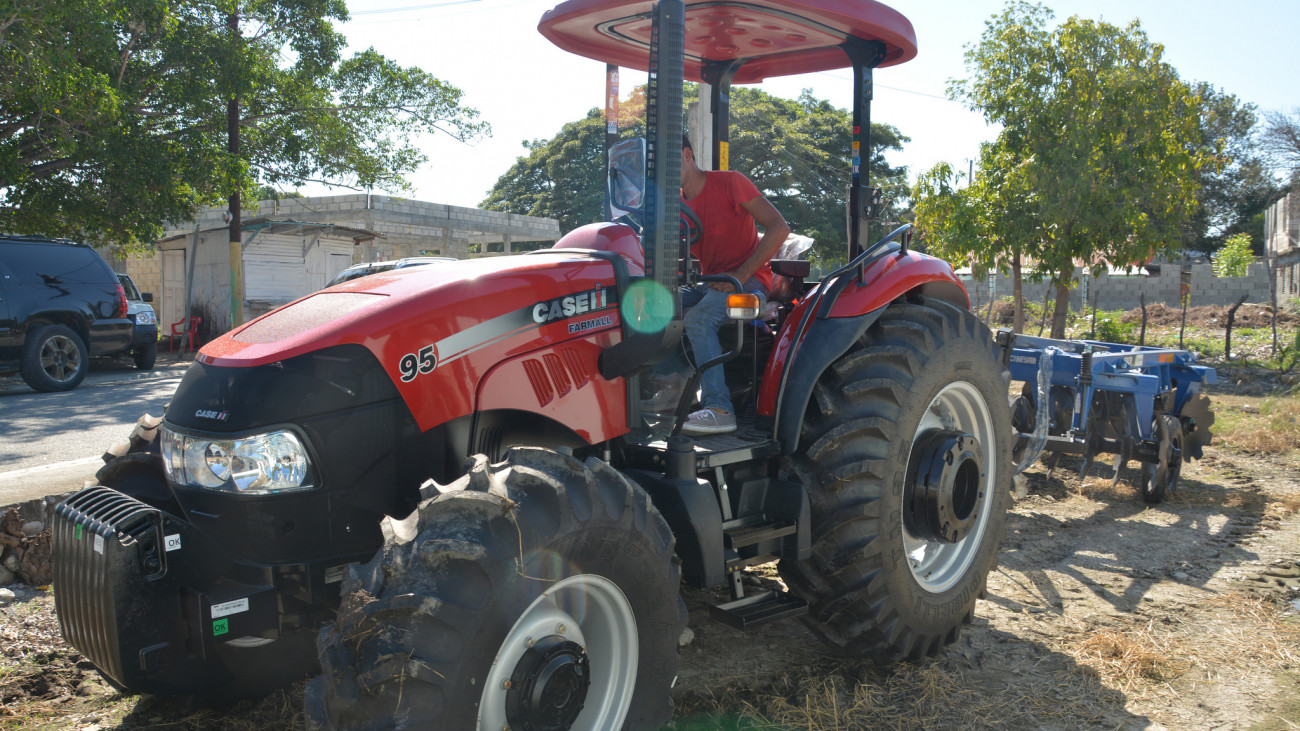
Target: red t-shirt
{"points": [[729, 235]]}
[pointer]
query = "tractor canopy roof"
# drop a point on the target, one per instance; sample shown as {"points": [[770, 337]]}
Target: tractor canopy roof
{"points": [[777, 38]]}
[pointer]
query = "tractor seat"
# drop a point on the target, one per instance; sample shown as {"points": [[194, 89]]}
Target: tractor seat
{"points": [[787, 279]]}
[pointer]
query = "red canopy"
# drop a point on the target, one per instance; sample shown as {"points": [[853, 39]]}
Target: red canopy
{"points": [[779, 38]]}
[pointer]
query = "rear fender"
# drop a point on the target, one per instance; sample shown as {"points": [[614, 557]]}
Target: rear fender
{"points": [[842, 315]]}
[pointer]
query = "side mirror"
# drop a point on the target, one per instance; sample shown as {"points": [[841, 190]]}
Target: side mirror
{"points": [[627, 177], [147, 296]]}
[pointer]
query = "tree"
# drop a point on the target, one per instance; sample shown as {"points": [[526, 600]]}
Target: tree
{"points": [[113, 114], [795, 151], [1280, 140], [564, 177], [1234, 258], [1099, 147], [1236, 190]]}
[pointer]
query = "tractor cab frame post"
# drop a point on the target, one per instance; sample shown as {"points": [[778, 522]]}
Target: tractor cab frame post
{"points": [[863, 200]]}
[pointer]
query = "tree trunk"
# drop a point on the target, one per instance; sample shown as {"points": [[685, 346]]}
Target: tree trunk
{"points": [[1017, 296], [1227, 338], [1062, 307], [236, 225]]}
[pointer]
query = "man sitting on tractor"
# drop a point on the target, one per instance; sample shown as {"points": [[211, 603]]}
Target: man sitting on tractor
{"points": [[728, 206]]}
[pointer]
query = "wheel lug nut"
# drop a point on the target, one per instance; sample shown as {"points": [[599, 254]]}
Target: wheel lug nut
{"points": [[560, 629], [532, 642]]}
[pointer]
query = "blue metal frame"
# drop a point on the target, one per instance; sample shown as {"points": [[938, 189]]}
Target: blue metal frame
{"points": [[1133, 369]]}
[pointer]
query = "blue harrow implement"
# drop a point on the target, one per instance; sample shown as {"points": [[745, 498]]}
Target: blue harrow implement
{"points": [[1088, 398]]}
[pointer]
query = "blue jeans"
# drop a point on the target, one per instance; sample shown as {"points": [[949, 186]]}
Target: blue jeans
{"points": [[706, 312]]}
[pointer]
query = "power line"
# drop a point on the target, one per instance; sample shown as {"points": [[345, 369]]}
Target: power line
{"points": [[429, 6]]}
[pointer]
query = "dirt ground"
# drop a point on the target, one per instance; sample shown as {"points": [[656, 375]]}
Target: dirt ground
{"points": [[1103, 613]]}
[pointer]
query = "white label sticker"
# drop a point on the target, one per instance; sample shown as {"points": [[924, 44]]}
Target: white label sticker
{"points": [[172, 542], [99, 544], [227, 608], [336, 574]]}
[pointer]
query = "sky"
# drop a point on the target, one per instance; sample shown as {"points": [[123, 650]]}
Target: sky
{"points": [[526, 88]]}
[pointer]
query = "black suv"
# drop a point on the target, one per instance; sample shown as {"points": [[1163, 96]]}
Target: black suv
{"points": [[60, 305]]}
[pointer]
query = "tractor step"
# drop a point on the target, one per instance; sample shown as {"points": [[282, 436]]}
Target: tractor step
{"points": [[743, 533], [759, 609]]}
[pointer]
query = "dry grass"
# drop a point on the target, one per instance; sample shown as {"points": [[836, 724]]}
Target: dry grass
{"points": [[933, 695], [1256, 633], [1131, 662], [1270, 426]]}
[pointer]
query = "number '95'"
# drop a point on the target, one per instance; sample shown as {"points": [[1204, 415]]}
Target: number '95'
{"points": [[414, 364]]}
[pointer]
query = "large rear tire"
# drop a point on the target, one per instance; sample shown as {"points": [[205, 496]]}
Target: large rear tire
{"points": [[897, 567], [540, 592]]}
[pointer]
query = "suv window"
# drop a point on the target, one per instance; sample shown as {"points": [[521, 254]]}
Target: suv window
{"points": [[49, 263], [131, 292]]}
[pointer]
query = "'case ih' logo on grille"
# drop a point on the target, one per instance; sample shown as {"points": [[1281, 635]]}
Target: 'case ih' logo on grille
{"points": [[215, 415]]}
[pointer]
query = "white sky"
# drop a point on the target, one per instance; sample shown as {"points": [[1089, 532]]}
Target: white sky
{"points": [[527, 88]]}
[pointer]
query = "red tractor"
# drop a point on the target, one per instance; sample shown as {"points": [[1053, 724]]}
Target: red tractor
{"points": [[443, 483]]}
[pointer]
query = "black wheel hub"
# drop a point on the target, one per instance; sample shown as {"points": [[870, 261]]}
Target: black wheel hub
{"points": [[945, 486], [549, 686]]}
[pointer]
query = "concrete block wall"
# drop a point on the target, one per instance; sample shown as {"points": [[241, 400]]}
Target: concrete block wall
{"points": [[1125, 292], [408, 226]]}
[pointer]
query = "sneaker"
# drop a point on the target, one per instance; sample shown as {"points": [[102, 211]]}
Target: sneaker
{"points": [[708, 421]]}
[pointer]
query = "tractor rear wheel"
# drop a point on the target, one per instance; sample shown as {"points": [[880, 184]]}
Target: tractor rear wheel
{"points": [[906, 453], [539, 593]]}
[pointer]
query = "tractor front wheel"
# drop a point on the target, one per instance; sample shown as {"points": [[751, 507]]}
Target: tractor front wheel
{"points": [[538, 593], [906, 453]]}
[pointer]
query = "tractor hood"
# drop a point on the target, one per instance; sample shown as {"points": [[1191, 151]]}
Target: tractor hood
{"points": [[459, 308], [437, 333]]}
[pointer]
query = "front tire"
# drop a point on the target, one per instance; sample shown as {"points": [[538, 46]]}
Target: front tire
{"points": [[54, 358], [898, 562], [145, 357], [540, 592]]}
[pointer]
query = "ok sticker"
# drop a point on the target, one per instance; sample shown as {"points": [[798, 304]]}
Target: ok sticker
{"points": [[220, 627]]}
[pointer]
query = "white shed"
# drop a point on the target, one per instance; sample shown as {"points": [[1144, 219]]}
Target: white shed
{"points": [[282, 261]]}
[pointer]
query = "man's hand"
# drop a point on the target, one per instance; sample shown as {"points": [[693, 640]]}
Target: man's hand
{"points": [[727, 287]]}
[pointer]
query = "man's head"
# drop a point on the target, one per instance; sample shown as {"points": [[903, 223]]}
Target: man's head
{"points": [[688, 158]]}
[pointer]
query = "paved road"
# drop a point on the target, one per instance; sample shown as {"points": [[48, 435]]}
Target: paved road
{"points": [[50, 443]]}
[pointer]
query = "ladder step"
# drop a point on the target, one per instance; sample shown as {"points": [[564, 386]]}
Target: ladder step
{"points": [[759, 609], [748, 535]]}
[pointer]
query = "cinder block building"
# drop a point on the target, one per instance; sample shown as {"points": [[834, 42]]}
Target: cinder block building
{"points": [[1282, 237]]}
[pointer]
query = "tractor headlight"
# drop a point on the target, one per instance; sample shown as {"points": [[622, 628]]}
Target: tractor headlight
{"points": [[257, 465]]}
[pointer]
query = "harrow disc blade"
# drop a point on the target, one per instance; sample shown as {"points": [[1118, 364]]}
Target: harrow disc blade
{"points": [[1197, 418]]}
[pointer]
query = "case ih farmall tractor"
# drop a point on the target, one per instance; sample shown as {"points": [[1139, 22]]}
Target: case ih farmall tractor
{"points": [[444, 482]]}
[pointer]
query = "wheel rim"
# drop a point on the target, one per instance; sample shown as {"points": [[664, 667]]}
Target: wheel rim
{"points": [[959, 407], [586, 615], [60, 358]]}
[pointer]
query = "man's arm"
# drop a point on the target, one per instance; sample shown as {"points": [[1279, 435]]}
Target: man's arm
{"points": [[775, 231]]}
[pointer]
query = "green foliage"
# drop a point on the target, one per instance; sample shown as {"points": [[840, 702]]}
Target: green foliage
{"points": [[1235, 191], [1234, 258], [1114, 330], [1100, 147], [113, 113], [796, 152]]}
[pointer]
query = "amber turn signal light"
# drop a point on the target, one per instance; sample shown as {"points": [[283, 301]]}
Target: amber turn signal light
{"points": [[743, 306]]}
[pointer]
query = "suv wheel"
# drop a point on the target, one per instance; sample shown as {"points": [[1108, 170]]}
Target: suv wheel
{"points": [[145, 356], [54, 359]]}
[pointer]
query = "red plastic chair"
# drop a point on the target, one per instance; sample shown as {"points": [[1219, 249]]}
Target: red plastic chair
{"points": [[190, 334]]}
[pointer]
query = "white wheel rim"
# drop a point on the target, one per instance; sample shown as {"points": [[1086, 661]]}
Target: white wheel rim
{"points": [[594, 613], [938, 566], [60, 358]]}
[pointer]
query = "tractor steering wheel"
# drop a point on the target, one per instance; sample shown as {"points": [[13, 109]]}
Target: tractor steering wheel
{"points": [[691, 230]]}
